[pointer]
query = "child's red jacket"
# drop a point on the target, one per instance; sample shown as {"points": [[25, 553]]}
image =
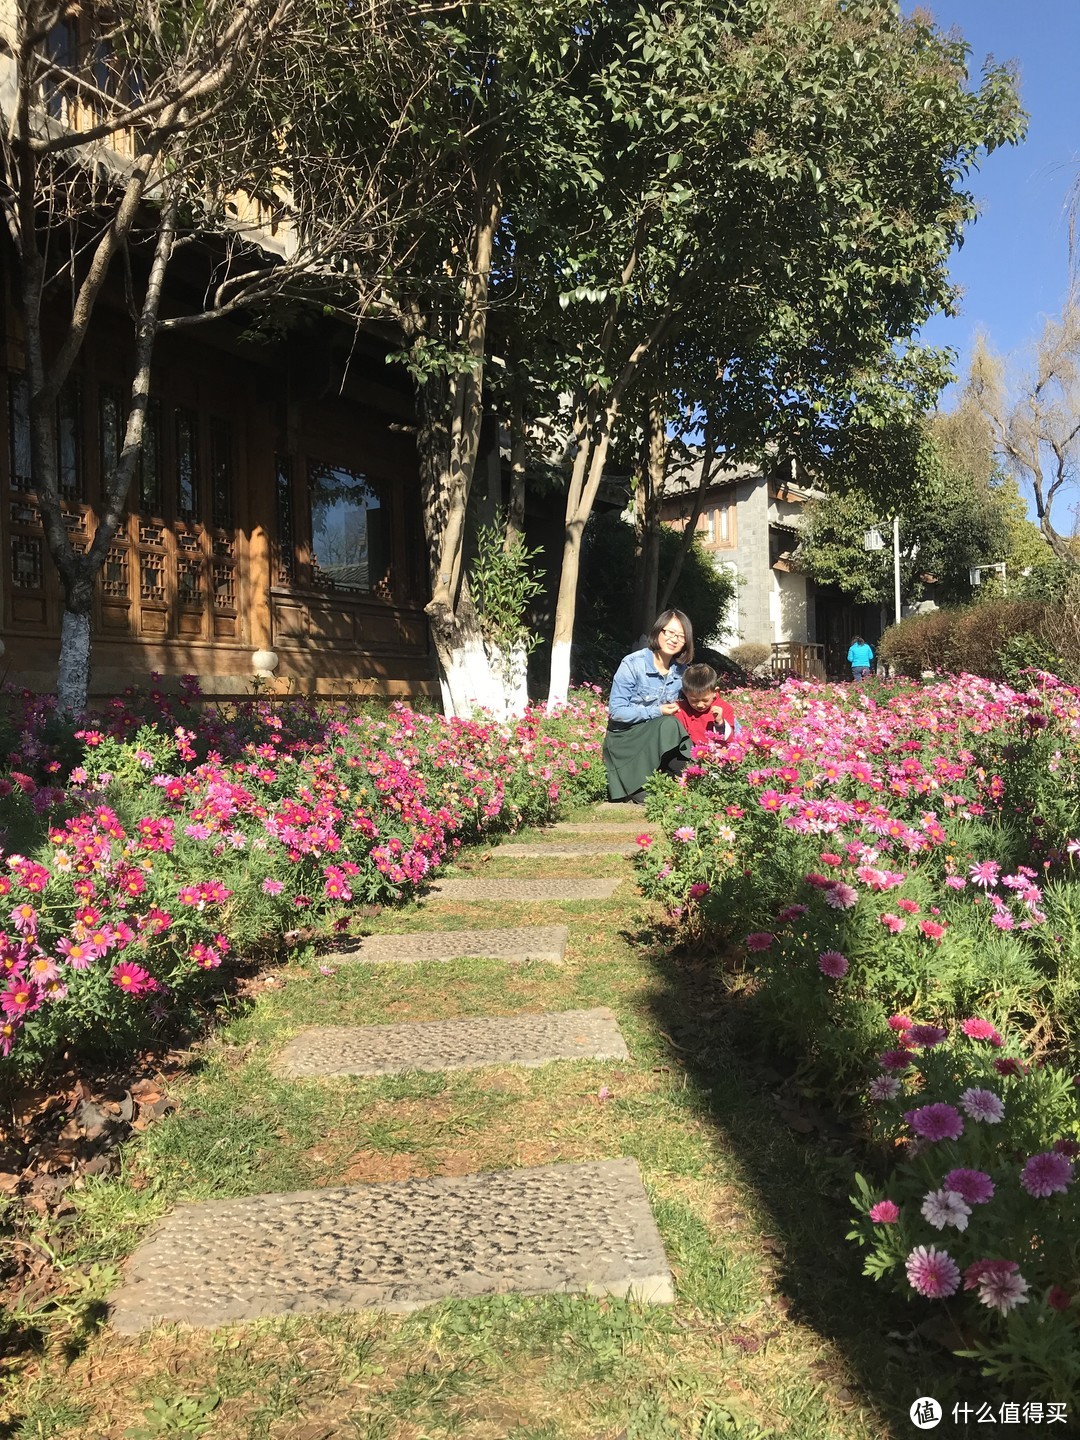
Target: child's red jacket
{"points": [[717, 723]]}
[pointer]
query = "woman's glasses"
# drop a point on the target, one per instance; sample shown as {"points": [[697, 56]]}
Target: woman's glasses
{"points": [[673, 634]]}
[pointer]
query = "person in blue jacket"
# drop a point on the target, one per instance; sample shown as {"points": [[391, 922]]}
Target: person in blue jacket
{"points": [[643, 735], [860, 658]]}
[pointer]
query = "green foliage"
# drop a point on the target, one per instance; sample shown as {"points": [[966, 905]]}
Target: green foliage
{"points": [[502, 580], [181, 1417], [606, 595]]}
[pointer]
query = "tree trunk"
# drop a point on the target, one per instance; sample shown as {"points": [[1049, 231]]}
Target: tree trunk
{"points": [[565, 606], [686, 540], [515, 508], [73, 672], [655, 465]]}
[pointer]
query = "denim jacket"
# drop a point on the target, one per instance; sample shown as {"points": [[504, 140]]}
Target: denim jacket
{"points": [[638, 690]]}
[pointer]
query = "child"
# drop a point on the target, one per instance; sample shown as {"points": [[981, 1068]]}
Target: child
{"points": [[703, 714]]}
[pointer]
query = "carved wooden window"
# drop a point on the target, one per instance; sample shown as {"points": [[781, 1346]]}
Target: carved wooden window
{"points": [[150, 461], [221, 474], [350, 531], [187, 466], [69, 456], [19, 432], [111, 430], [285, 566]]}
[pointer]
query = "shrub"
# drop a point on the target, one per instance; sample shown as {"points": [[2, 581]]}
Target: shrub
{"points": [[751, 655]]}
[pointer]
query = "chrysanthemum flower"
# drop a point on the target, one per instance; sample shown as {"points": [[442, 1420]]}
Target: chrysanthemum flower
{"points": [[894, 1059], [893, 923], [974, 1186], [931, 929], [985, 873], [885, 1212], [1047, 1174], [1000, 1285], [840, 896], [833, 964], [982, 1105], [927, 1036], [684, 834], [945, 1207], [937, 1122], [932, 1272], [976, 1029], [759, 940], [884, 1087], [900, 1022], [131, 977]]}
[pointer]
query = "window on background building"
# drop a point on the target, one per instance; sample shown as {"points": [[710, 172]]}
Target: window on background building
{"points": [[286, 534], [350, 534], [69, 441], [111, 422], [150, 461], [221, 474]]}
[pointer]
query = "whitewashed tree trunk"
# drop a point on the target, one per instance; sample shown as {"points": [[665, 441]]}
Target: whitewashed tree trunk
{"points": [[510, 668], [73, 673]]}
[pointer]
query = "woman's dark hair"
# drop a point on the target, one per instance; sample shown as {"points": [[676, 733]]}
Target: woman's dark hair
{"points": [[698, 680], [857, 640], [686, 654]]}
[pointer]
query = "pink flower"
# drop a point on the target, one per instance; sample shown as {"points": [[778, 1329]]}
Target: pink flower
{"points": [[894, 1059], [131, 977], [833, 964], [840, 896], [884, 1087], [1002, 920], [885, 1212], [1058, 1298], [684, 834], [272, 887], [759, 940], [900, 1022], [932, 1272], [982, 1105], [985, 873], [644, 841], [791, 912], [937, 1122], [955, 882], [909, 907], [931, 929], [945, 1207], [976, 1029], [974, 1186], [22, 997], [1047, 1174], [926, 1035], [999, 1282], [893, 923], [698, 889]]}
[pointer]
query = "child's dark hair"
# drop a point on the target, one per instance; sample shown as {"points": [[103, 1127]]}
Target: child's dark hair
{"points": [[698, 680]]}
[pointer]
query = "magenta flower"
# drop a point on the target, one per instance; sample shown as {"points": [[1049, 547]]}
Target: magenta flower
{"points": [[698, 889], [985, 873], [840, 896], [900, 1022], [973, 1186], [932, 1272], [894, 1059], [937, 1122], [644, 841], [1047, 1174], [982, 1105], [893, 923], [885, 1212], [759, 940], [926, 1035], [131, 977], [931, 929], [833, 964], [976, 1029], [22, 997]]}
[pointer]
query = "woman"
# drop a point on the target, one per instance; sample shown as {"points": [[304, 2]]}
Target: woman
{"points": [[643, 735], [860, 658]]}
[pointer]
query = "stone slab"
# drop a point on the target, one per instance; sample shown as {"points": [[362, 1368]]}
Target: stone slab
{"points": [[523, 890], [529, 942], [466, 1043], [566, 849], [634, 826], [612, 810], [552, 1230]]}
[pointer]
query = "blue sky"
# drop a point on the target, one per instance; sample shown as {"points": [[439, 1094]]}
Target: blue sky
{"points": [[1013, 267]]}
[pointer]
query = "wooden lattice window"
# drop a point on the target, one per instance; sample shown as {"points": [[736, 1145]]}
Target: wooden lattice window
{"points": [[150, 461], [187, 466], [286, 534], [27, 562], [22, 477], [350, 531], [111, 430], [221, 474]]}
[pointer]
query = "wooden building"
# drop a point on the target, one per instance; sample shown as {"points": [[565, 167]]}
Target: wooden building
{"points": [[274, 527]]}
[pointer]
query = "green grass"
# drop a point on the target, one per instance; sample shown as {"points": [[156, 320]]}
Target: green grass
{"points": [[774, 1332]]}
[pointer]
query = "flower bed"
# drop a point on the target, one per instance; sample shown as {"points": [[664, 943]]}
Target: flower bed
{"points": [[911, 850], [140, 856]]}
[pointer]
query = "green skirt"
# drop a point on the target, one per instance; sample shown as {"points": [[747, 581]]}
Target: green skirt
{"points": [[635, 750]]}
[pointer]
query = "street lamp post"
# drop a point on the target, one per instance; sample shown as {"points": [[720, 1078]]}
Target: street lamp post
{"points": [[873, 540]]}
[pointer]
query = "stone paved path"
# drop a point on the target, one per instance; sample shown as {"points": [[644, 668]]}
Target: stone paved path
{"points": [[398, 1246], [470, 889], [566, 849], [529, 942], [579, 1227], [467, 1043], [634, 824]]}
